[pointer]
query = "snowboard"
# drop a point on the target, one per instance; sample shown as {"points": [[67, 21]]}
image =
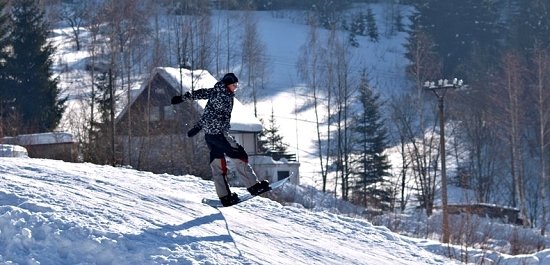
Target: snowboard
{"points": [[247, 196]]}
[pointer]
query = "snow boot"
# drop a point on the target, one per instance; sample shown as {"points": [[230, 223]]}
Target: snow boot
{"points": [[259, 188], [230, 199]]}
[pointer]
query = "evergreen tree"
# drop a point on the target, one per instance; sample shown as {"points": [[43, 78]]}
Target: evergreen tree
{"points": [[530, 24], [460, 27], [398, 22], [28, 72], [262, 141], [97, 150], [371, 164], [4, 97], [271, 141], [372, 29], [358, 26], [4, 31], [274, 139]]}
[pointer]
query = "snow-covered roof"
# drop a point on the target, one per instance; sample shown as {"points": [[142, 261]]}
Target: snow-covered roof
{"points": [[9, 150], [242, 119], [40, 138]]}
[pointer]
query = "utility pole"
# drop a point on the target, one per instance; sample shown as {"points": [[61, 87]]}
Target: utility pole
{"points": [[440, 89]]}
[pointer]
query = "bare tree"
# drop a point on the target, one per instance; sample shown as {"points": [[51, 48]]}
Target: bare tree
{"points": [[541, 60], [309, 67], [513, 70], [193, 36], [124, 25], [159, 56], [339, 97], [480, 136], [418, 133], [94, 22], [402, 119], [75, 14], [225, 47], [253, 54]]}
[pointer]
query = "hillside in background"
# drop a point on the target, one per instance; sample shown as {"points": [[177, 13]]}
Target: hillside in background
{"points": [[284, 36]]}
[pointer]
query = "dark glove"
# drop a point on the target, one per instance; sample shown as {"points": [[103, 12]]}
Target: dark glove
{"points": [[179, 99], [196, 129], [176, 100]]}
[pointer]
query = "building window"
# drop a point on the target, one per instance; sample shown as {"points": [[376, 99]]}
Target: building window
{"points": [[169, 113], [282, 174], [154, 113], [160, 91]]}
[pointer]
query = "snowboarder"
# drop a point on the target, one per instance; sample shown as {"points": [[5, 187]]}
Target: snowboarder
{"points": [[215, 121]]}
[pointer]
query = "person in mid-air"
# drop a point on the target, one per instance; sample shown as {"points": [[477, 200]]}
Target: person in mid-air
{"points": [[215, 121]]}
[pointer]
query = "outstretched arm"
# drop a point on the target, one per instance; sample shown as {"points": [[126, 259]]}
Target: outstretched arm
{"points": [[197, 94]]}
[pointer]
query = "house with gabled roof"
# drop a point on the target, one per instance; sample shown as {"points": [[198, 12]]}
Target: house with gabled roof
{"points": [[152, 133]]}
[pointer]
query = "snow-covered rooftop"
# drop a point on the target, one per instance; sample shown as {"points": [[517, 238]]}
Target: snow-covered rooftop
{"points": [[40, 138], [9, 150]]}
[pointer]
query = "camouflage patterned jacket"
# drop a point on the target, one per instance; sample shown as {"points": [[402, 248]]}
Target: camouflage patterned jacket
{"points": [[217, 113]]}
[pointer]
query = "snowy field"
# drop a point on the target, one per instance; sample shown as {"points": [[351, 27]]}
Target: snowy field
{"points": [[53, 212]]}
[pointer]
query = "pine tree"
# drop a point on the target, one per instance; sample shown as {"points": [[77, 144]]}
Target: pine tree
{"points": [[4, 31], [398, 22], [372, 29], [358, 26], [262, 141], [4, 97], [371, 164], [271, 141], [97, 150], [28, 71], [460, 29], [530, 24]]}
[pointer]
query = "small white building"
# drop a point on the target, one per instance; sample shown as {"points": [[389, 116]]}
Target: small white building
{"points": [[267, 168]]}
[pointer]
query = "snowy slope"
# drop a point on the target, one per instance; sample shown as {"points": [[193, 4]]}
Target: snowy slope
{"points": [[53, 212]]}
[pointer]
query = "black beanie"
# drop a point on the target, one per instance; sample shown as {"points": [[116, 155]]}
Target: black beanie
{"points": [[229, 78]]}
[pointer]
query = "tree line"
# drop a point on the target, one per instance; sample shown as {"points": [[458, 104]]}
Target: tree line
{"points": [[497, 127], [500, 122]]}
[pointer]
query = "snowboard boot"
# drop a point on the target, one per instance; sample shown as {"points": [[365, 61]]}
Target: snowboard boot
{"points": [[259, 188], [230, 199]]}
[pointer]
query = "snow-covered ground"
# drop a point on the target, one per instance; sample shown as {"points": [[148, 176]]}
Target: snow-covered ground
{"points": [[53, 212]]}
